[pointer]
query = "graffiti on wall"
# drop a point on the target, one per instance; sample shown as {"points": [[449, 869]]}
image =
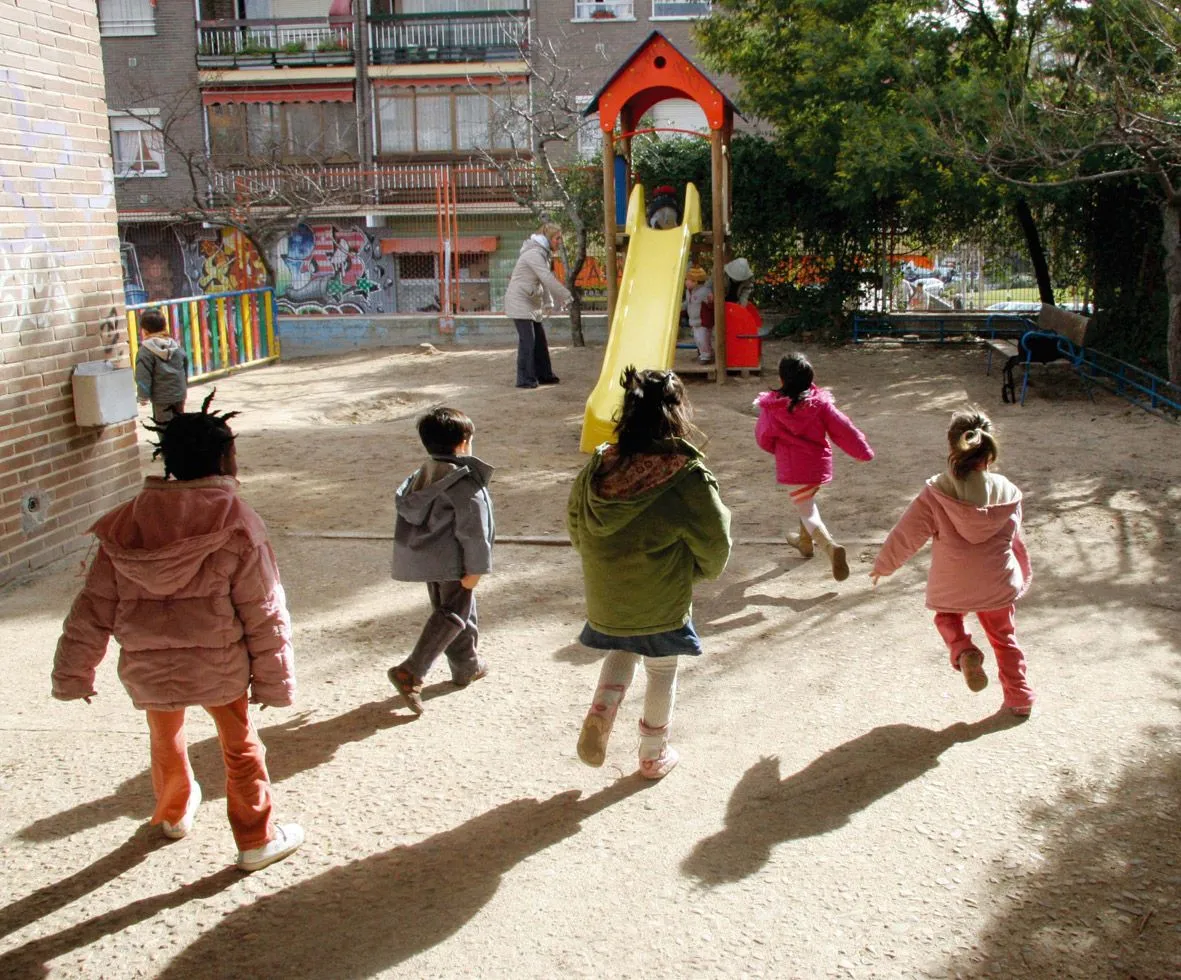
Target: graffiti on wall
{"points": [[332, 268], [220, 263]]}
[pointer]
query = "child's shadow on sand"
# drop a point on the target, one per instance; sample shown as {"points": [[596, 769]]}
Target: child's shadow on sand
{"points": [[764, 810], [357, 920], [293, 746]]}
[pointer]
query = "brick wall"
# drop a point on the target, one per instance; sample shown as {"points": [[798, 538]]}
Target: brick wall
{"points": [[60, 284]]}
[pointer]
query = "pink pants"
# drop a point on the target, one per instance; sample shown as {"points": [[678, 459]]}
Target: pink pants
{"points": [[248, 787], [1002, 634]]}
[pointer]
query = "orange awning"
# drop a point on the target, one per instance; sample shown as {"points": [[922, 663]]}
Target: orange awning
{"points": [[288, 93], [430, 246]]}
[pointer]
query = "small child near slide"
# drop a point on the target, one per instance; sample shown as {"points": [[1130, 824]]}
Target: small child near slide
{"points": [[647, 520], [979, 563], [443, 536], [186, 580], [796, 422]]}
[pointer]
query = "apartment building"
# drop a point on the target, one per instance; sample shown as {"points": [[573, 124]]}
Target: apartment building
{"points": [[392, 107]]}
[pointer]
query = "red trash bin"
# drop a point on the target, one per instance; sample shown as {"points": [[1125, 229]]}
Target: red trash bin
{"points": [[744, 346]]}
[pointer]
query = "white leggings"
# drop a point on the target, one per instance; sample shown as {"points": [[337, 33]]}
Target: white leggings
{"points": [[803, 498], [619, 667]]}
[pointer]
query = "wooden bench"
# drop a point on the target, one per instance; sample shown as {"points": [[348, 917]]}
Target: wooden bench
{"points": [[998, 345], [1060, 335]]}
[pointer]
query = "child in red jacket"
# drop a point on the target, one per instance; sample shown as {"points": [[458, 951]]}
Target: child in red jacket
{"points": [[796, 422], [186, 580], [978, 559]]}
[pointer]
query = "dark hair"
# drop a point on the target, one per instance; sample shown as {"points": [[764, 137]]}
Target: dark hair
{"points": [[194, 444], [970, 441], [442, 429], [152, 321], [796, 376], [655, 407]]}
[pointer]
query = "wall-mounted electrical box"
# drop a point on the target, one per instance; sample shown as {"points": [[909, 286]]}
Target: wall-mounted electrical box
{"points": [[103, 394]]}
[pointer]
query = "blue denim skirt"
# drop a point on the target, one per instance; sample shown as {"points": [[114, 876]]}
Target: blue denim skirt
{"points": [[682, 642]]}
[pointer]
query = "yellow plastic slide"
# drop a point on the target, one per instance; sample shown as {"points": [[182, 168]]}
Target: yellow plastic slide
{"points": [[647, 309]]}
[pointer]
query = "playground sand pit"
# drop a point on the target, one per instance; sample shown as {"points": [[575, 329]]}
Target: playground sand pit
{"points": [[845, 807]]}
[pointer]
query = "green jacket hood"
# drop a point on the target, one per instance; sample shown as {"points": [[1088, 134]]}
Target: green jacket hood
{"points": [[604, 516]]}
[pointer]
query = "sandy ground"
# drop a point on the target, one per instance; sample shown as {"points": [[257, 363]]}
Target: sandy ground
{"points": [[844, 808]]}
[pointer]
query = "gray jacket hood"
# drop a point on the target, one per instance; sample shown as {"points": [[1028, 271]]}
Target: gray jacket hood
{"points": [[422, 490]]}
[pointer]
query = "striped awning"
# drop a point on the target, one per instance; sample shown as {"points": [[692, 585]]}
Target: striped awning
{"points": [[430, 246], [341, 92]]}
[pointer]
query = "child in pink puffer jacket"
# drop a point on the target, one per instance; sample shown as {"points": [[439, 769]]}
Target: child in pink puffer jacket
{"points": [[978, 559], [186, 580], [795, 424]]}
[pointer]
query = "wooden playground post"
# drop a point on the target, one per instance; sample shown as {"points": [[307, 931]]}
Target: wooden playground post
{"points": [[609, 228]]}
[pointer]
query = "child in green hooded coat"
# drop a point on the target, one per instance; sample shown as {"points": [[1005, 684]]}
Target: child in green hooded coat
{"points": [[646, 518]]}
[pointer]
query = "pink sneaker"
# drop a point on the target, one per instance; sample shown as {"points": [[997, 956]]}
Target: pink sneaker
{"points": [[596, 727], [657, 757], [1021, 710]]}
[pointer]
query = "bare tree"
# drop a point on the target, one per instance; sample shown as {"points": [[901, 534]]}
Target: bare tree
{"points": [[263, 198], [542, 137]]}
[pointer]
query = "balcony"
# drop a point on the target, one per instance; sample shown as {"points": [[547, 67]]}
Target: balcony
{"points": [[285, 42], [349, 186], [493, 35]]}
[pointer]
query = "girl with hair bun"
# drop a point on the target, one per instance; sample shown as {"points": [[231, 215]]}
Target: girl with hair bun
{"points": [[647, 520], [979, 563]]}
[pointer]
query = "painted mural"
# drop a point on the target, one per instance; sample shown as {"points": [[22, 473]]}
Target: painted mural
{"points": [[333, 268]]}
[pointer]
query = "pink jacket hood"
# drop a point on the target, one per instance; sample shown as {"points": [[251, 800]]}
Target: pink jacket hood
{"points": [[163, 536], [978, 557], [799, 437], [186, 582]]}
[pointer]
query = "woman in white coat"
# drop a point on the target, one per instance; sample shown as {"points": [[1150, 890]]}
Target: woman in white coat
{"points": [[532, 291]]}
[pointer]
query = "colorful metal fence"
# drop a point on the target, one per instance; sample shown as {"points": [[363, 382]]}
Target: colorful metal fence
{"points": [[220, 333]]}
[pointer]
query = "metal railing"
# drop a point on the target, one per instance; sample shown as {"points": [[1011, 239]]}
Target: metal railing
{"points": [[604, 9], [281, 41], [220, 333], [353, 185], [491, 35]]}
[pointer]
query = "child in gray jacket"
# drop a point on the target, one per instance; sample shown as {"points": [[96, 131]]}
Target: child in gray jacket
{"points": [[443, 537], [161, 369]]}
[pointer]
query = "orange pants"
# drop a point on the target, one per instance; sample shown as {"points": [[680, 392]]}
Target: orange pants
{"points": [[248, 787]]}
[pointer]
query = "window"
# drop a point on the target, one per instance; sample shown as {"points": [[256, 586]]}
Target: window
{"points": [[604, 10], [680, 9], [137, 146], [438, 119], [126, 17], [282, 132]]}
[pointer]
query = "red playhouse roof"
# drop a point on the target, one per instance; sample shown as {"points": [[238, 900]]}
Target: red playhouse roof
{"points": [[654, 72]]}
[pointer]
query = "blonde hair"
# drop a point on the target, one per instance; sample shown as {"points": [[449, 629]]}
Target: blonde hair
{"points": [[971, 442], [549, 229]]}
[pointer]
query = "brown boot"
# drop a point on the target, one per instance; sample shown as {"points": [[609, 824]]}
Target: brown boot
{"points": [[836, 554], [802, 542]]}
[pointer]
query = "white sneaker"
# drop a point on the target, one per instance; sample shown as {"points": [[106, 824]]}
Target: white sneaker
{"points": [[175, 831], [287, 838]]}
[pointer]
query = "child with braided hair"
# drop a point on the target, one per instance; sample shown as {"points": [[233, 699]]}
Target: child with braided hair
{"points": [[979, 563], [186, 580], [647, 520]]}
